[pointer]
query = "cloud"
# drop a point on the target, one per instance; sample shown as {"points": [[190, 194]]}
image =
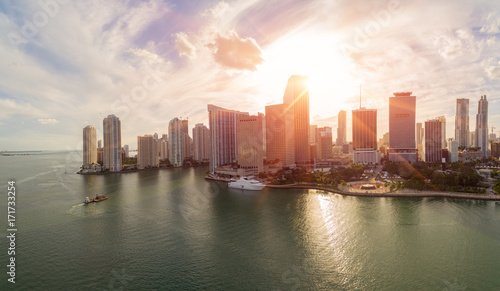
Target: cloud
{"points": [[237, 53], [184, 46], [217, 11], [47, 121]]}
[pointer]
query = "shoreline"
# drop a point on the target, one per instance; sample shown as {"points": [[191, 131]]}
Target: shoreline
{"points": [[396, 194], [136, 170]]}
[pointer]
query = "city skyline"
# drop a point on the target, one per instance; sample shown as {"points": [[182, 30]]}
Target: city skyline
{"points": [[173, 58]]}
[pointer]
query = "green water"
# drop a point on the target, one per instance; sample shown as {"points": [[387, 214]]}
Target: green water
{"points": [[172, 230]]}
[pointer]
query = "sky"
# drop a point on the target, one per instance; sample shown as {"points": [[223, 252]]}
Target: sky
{"points": [[68, 64]]}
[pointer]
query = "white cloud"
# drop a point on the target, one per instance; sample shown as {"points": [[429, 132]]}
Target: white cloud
{"points": [[218, 10], [47, 121], [184, 46]]}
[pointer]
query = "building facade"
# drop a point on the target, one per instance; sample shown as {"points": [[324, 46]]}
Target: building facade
{"points": [[297, 125], [222, 126], [112, 153], [147, 152], [482, 126], [177, 141], [433, 141], [89, 146], [342, 128], [201, 143], [250, 142], [402, 109], [364, 136], [275, 134], [462, 123]]}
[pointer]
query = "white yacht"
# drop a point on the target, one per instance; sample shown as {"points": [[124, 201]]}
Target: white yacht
{"points": [[246, 183]]}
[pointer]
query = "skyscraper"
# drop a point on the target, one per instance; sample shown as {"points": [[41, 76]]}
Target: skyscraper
{"points": [[222, 125], [433, 140], [296, 111], [89, 146], [250, 142], [364, 136], [402, 109], [462, 122], [201, 143], [275, 133], [147, 152], [442, 119], [482, 126], [342, 128], [177, 131], [112, 143], [324, 142]]}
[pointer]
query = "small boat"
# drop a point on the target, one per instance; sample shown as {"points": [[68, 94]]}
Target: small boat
{"points": [[98, 198], [246, 183]]}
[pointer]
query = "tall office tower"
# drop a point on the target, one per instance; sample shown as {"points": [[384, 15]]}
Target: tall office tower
{"points": [[155, 136], [364, 136], [325, 142], [112, 154], [482, 126], [147, 152], [296, 111], [126, 149], [402, 128], [312, 135], [201, 143], [275, 134], [99, 143], [250, 142], [342, 128], [222, 125], [462, 122], [433, 140], [89, 146], [443, 131], [177, 131]]}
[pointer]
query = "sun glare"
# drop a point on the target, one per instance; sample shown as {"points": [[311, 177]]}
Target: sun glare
{"points": [[319, 57]]}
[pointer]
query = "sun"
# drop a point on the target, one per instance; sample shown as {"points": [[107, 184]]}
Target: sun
{"points": [[317, 56]]}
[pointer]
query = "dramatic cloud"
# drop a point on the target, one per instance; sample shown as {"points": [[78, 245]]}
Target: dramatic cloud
{"points": [[47, 121], [237, 53], [184, 46]]}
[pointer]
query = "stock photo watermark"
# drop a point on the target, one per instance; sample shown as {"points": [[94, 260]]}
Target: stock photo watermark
{"points": [[380, 20], [49, 9], [11, 230]]}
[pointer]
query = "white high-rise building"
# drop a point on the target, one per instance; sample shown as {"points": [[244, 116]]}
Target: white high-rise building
{"points": [[89, 146], [482, 126], [177, 148], [462, 123], [147, 152], [112, 154], [201, 143], [222, 125]]}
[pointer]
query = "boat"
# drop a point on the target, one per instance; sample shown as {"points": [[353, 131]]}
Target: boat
{"points": [[98, 198], [246, 183]]}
